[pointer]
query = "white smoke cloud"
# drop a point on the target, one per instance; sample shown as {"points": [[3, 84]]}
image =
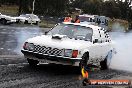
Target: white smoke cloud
{"points": [[123, 58], [23, 34]]}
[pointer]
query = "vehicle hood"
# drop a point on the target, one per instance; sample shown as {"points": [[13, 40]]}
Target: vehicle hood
{"points": [[20, 17], [46, 40]]}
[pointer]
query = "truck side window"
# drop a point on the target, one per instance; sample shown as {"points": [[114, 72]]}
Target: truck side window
{"points": [[107, 37], [103, 39], [96, 36], [99, 37]]}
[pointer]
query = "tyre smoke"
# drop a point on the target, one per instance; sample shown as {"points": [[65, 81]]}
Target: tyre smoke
{"points": [[123, 59], [23, 34]]}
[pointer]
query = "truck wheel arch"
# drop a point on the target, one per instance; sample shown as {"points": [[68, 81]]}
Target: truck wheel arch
{"points": [[84, 60], [106, 62]]}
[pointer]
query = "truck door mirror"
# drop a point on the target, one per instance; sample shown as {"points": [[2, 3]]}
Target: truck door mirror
{"points": [[95, 41]]}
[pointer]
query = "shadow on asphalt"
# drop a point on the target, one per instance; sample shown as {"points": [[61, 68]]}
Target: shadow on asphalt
{"points": [[54, 69], [66, 71]]}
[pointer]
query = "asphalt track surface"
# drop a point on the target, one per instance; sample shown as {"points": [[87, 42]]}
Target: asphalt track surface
{"points": [[16, 73]]}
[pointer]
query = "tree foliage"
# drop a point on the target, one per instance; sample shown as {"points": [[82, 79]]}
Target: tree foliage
{"points": [[111, 8], [51, 7]]}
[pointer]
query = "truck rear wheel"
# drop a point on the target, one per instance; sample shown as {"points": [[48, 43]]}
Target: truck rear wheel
{"points": [[32, 62], [36, 23], [26, 22], [106, 63]]}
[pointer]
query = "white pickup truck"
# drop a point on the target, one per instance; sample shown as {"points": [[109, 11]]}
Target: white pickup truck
{"points": [[71, 44], [4, 19]]}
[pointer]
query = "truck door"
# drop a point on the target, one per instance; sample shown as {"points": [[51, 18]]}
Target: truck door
{"points": [[104, 44], [96, 48]]}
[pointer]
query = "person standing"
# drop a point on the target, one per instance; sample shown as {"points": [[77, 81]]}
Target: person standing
{"points": [[68, 19], [77, 19]]}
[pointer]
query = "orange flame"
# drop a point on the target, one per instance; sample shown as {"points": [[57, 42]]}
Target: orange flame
{"points": [[84, 73]]}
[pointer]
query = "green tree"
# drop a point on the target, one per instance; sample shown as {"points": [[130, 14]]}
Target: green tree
{"points": [[51, 7], [111, 9]]}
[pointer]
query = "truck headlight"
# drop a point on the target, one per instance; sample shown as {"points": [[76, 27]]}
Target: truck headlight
{"points": [[31, 47], [67, 52], [70, 53], [28, 46]]}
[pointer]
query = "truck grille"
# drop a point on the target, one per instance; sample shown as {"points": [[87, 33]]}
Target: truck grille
{"points": [[48, 50]]}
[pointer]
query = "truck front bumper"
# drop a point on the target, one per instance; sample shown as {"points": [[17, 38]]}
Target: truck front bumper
{"points": [[44, 58]]}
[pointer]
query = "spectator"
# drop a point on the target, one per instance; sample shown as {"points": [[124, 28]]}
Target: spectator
{"points": [[68, 19], [77, 19]]}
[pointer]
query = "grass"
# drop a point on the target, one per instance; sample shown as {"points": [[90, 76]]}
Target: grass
{"points": [[9, 10], [46, 24]]}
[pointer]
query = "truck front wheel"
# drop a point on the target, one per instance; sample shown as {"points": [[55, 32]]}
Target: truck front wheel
{"points": [[26, 22], [32, 62], [83, 62]]}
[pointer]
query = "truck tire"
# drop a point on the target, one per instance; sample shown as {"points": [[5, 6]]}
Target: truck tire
{"points": [[36, 23], [26, 22], [32, 62], [18, 21], [3, 21], [106, 63], [83, 62]]}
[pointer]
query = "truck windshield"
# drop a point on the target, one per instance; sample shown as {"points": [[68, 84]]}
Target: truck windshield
{"points": [[72, 31], [27, 16], [87, 19]]}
